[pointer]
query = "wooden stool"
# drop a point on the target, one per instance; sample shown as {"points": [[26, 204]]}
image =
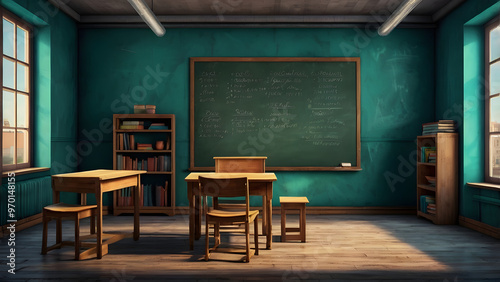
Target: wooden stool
{"points": [[293, 203], [62, 211]]}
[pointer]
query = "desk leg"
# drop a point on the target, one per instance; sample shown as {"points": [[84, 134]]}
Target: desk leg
{"points": [[264, 215], [197, 200], [137, 206], [191, 216], [98, 198], [269, 206]]}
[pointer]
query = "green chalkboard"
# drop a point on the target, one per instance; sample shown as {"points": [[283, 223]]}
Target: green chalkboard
{"points": [[301, 113]]}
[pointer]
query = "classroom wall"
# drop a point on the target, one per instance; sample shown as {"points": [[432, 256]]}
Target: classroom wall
{"points": [[397, 96], [460, 90], [55, 87]]}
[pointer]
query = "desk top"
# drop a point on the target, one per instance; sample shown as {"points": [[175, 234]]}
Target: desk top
{"points": [[101, 174], [264, 177]]}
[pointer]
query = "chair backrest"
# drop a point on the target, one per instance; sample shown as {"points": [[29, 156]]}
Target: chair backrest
{"points": [[240, 164], [224, 186]]}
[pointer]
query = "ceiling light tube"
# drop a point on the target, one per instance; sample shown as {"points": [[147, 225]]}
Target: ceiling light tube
{"points": [[399, 14], [148, 16]]}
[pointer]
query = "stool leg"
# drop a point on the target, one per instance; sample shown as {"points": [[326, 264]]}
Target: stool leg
{"points": [[283, 224], [256, 234], [77, 237], [92, 222], [44, 236], [303, 223]]}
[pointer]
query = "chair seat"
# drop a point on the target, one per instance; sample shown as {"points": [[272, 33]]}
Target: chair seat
{"points": [[63, 207], [228, 214]]}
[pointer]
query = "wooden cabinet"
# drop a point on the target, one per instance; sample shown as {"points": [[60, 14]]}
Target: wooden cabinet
{"points": [[442, 167], [146, 142]]}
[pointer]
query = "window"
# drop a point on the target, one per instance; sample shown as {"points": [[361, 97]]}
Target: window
{"points": [[492, 107], [16, 92]]}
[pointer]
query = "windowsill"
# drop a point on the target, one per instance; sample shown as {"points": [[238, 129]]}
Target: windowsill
{"points": [[483, 185], [25, 171]]}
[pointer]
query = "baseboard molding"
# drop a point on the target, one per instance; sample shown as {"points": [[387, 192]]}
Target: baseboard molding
{"points": [[30, 221], [479, 226], [338, 210]]}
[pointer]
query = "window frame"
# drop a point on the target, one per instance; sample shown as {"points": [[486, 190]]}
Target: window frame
{"points": [[491, 25], [29, 28]]}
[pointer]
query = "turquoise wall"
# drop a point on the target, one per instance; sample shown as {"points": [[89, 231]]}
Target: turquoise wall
{"points": [[460, 88], [55, 46], [397, 96]]}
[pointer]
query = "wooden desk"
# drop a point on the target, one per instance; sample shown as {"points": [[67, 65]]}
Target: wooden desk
{"points": [[260, 184], [98, 182]]}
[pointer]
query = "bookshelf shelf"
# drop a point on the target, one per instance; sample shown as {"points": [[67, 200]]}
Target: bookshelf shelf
{"points": [[144, 151], [429, 164], [443, 196], [158, 193], [142, 130], [427, 187]]}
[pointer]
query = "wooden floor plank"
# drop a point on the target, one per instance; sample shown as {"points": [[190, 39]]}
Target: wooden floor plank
{"points": [[340, 247]]}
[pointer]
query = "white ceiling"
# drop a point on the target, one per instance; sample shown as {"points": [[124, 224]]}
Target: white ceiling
{"points": [[254, 12]]}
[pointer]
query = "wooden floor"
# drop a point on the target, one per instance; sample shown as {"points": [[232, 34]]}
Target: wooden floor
{"points": [[339, 247]]}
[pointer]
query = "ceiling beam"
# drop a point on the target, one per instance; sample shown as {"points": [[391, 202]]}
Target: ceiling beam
{"points": [[257, 19], [61, 5], [446, 9]]}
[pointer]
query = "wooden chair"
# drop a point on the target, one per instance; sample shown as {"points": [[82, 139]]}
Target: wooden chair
{"points": [[239, 164], [228, 187], [62, 211]]}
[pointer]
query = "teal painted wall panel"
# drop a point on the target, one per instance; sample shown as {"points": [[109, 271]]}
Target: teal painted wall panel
{"points": [[117, 68], [460, 86], [55, 48]]}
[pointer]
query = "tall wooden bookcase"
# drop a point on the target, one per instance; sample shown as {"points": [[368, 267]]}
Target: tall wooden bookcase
{"points": [[445, 171], [127, 155]]}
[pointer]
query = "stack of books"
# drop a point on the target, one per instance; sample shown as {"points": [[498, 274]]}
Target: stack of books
{"points": [[143, 146], [431, 208], [425, 201], [132, 124], [446, 126], [428, 154]]}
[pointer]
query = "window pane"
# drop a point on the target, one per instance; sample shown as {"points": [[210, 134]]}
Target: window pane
{"points": [[8, 38], [22, 45], [22, 110], [22, 146], [8, 146], [495, 156], [8, 73], [22, 78], [495, 44], [495, 78], [8, 109]]}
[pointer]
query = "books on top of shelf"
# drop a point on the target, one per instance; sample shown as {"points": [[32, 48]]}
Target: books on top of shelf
{"points": [[438, 127]]}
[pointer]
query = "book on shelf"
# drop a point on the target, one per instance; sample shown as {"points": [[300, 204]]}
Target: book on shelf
{"points": [[158, 126], [132, 124], [425, 200], [152, 164], [425, 152], [144, 146]]}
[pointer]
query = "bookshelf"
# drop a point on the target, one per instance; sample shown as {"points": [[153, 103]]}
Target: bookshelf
{"points": [[437, 159], [135, 138]]}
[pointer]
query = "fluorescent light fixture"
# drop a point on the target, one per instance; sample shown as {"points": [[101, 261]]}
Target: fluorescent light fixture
{"points": [[399, 14], [148, 16]]}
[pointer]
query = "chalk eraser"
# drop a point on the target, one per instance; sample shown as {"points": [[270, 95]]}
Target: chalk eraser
{"points": [[345, 164]]}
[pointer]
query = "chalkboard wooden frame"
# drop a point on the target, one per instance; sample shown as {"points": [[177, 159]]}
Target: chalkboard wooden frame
{"points": [[356, 60]]}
